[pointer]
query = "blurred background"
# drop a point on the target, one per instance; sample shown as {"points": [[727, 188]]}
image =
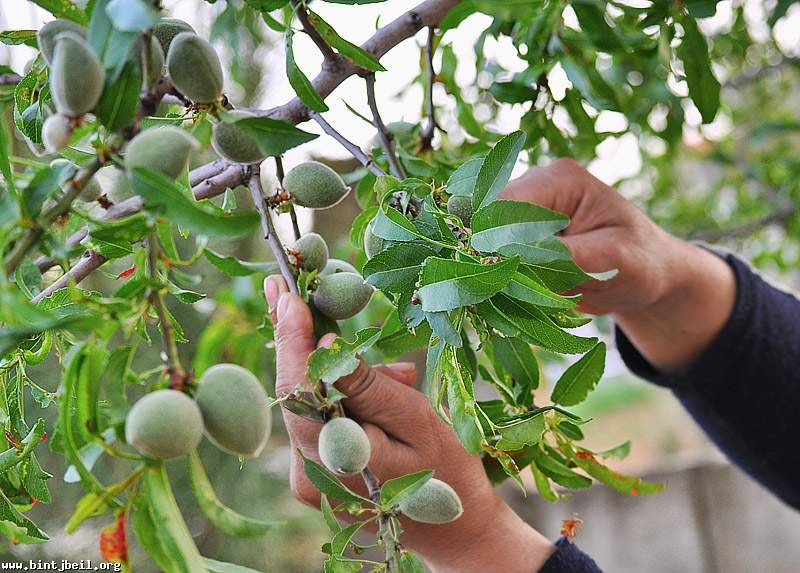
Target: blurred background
{"points": [[733, 183]]}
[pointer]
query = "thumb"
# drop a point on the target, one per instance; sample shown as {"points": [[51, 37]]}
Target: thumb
{"points": [[294, 341]]}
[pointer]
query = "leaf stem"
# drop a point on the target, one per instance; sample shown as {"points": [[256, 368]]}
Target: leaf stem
{"points": [[354, 149], [268, 228], [292, 213], [386, 139]]}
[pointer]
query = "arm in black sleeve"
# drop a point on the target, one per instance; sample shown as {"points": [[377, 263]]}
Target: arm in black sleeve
{"points": [[567, 558], [744, 389]]}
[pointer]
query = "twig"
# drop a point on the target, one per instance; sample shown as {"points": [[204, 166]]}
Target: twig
{"points": [[354, 149], [31, 238], [332, 59], [197, 176], [426, 139], [384, 529], [89, 262], [383, 133], [292, 213], [274, 242], [780, 216], [177, 375]]}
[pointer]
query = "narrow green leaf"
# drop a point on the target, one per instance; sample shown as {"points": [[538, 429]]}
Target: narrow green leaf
{"points": [[329, 484], [579, 379], [518, 360], [274, 136], [16, 527], [221, 516], [343, 538], [503, 223], [524, 288], [447, 284], [517, 434], [117, 106], [234, 267], [496, 169], [704, 88], [355, 54], [395, 490], [396, 268], [463, 179], [63, 9], [558, 472], [341, 357], [299, 81]]}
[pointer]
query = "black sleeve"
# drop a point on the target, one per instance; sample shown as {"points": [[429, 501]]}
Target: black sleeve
{"points": [[744, 390], [567, 558]]}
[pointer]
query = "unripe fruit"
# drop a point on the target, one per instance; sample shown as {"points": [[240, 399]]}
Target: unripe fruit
{"points": [[164, 149], [341, 295], [373, 244], [460, 205], [164, 424], [435, 502], [119, 184], [76, 76], [46, 36], [312, 252], [151, 60], [344, 447], [315, 185], [166, 30], [194, 68], [56, 132], [91, 191], [338, 266], [235, 409], [234, 144]]}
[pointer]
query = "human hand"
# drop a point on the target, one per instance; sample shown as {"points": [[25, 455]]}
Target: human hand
{"points": [[670, 297], [405, 435]]}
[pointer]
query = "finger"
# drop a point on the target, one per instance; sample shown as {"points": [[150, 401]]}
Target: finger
{"points": [[274, 287], [403, 372], [294, 341], [376, 398], [557, 186]]}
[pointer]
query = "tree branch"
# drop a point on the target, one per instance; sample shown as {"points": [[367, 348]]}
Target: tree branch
{"points": [[292, 213], [354, 149], [274, 242], [430, 126], [427, 13], [778, 217], [386, 139]]}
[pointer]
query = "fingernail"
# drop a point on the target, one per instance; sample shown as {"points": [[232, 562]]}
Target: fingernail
{"points": [[283, 304], [271, 289]]}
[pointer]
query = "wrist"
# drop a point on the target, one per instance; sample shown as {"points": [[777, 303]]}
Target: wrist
{"points": [[501, 542], [697, 297]]}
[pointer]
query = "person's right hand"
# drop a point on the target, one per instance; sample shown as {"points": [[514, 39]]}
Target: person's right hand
{"points": [[670, 297]]}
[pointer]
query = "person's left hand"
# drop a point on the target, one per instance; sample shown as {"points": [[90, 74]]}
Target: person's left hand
{"points": [[406, 436]]}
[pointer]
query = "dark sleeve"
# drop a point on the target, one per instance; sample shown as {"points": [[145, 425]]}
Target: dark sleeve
{"points": [[567, 558], [744, 390]]}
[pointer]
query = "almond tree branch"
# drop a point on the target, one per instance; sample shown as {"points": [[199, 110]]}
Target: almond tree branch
{"points": [[430, 126], [354, 149], [268, 228], [778, 217], [386, 139], [427, 13]]}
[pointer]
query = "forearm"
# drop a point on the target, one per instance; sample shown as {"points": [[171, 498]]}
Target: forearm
{"points": [[694, 307]]}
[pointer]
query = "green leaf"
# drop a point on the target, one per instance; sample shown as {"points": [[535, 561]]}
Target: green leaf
{"points": [[503, 223], [274, 136], [446, 284], [524, 288], [411, 563], [396, 268], [463, 179], [579, 379], [461, 400], [591, 17], [442, 328], [341, 357], [117, 106], [13, 456], [221, 516], [538, 252], [355, 54], [543, 485], [496, 169], [558, 472], [517, 360], [563, 275], [131, 15], [63, 9], [16, 527], [327, 483], [517, 434], [328, 515], [115, 238], [201, 217], [619, 452], [215, 566], [395, 490], [8, 207], [343, 538], [585, 460], [171, 529], [519, 319], [299, 81], [44, 184], [113, 46], [234, 267], [17, 37], [97, 503], [704, 88]]}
